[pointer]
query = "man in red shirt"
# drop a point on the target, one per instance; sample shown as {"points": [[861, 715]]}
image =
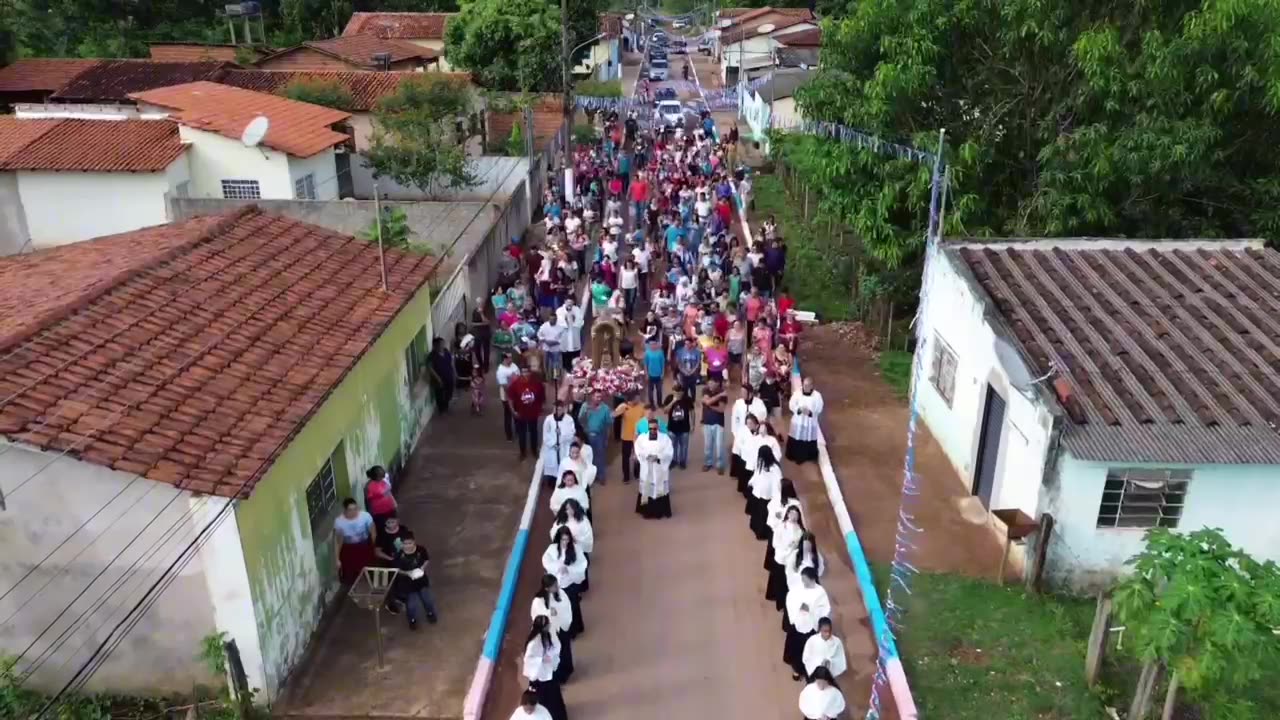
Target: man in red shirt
{"points": [[639, 198], [525, 395]]}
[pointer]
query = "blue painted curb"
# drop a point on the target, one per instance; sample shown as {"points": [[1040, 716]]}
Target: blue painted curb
{"points": [[510, 576]]}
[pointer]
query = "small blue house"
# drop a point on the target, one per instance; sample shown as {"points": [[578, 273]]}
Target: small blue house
{"points": [[1116, 385]]}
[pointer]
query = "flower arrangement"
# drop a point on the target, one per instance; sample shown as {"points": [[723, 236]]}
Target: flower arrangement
{"points": [[612, 381]]}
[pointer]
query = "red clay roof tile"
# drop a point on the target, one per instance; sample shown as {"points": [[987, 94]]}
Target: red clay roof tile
{"points": [[149, 364], [399, 25], [360, 49], [41, 74], [90, 145], [116, 80]]}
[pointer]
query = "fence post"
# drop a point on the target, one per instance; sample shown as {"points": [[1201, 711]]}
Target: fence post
{"points": [[1096, 651]]}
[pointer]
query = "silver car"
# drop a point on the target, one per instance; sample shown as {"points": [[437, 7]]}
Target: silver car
{"points": [[671, 113], [658, 70]]}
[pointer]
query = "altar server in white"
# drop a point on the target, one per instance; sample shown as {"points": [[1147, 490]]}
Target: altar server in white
{"points": [[824, 650], [553, 602], [785, 542], [821, 699], [530, 708], [806, 408], [569, 566], [747, 404], [806, 605], [541, 658], [557, 436], [569, 489]]}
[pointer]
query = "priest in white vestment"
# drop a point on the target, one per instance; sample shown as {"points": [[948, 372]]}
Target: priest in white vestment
{"points": [[654, 452], [806, 408]]}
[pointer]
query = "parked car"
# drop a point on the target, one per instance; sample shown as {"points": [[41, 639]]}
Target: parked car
{"points": [[679, 47], [656, 51], [666, 93], [659, 38], [658, 70], [704, 46], [671, 113], [678, 24]]}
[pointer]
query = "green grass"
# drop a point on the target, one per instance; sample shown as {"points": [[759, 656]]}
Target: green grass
{"points": [[895, 368], [976, 651], [816, 277]]}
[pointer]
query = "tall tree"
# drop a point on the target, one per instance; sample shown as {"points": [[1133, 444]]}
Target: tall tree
{"points": [[514, 45], [417, 141]]}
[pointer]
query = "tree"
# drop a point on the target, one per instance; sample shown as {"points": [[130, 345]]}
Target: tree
{"points": [[1154, 119], [514, 45], [1206, 610], [319, 91], [395, 229], [515, 146], [420, 134]]}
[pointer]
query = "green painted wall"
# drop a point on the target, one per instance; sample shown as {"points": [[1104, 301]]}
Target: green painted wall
{"points": [[372, 415]]}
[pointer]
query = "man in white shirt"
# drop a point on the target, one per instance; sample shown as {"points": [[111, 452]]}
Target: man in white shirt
{"points": [[642, 255], [570, 316], [572, 223], [550, 335], [507, 371]]}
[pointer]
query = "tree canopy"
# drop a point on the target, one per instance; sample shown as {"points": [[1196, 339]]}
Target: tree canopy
{"points": [[514, 45], [319, 91], [1151, 119], [421, 132]]}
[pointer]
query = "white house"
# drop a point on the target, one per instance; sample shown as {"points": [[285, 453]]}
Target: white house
{"points": [[773, 103], [297, 159], [748, 43], [69, 180], [1116, 385], [603, 60]]}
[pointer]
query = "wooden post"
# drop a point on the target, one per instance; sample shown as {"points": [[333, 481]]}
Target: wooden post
{"points": [[1043, 535], [1170, 697], [888, 343], [1004, 558], [1141, 705], [806, 202], [1096, 651]]}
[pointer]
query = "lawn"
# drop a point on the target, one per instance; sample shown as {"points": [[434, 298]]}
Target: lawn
{"points": [[895, 368]]}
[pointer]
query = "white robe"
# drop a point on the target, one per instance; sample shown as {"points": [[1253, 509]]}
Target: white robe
{"points": [[655, 475], [581, 467], [557, 436], [765, 483], [745, 445], [584, 537], [831, 652], [819, 607], [560, 611], [540, 662], [539, 713], [778, 509], [568, 574], [786, 539], [793, 575], [818, 704], [572, 322], [804, 427], [561, 494], [738, 417]]}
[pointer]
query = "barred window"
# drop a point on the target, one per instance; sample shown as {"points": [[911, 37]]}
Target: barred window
{"points": [[943, 373], [322, 495], [241, 190], [304, 188], [1143, 498]]}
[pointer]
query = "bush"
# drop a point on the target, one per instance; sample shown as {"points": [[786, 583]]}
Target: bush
{"points": [[515, 144], [598, 88], [317, 91], [584, 135]]}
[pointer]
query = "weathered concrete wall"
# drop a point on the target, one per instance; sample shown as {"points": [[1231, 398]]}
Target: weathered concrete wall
{"points": [[498, 177], [133, 529], [372, 415], [434, 224], [13, 219]]}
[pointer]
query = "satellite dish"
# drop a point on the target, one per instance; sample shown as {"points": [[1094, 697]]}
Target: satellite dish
{"points": [[255, 131], [766, 28], [1013, 365]]}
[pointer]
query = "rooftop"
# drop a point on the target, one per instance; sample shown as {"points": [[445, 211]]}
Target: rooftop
{"points": [[781, 84], [358, 50], [117, 80], [811, 37], [399, 25], [1160, 351], [738, 31], [88, 145], [41, 74], [367, 87], [297, 128], [179, 51], [190, 353]]}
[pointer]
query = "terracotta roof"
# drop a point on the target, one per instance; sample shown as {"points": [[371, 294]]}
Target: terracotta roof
{"points": [[735, 33], [116, 80], [197, 51], [761, 14], [16, 135], [734, 12], [93, 145], [298, 128], [360, 49], [41, 74], [192, 353], [399, 25], [804, 38], [366, 87], [1160, 351]]}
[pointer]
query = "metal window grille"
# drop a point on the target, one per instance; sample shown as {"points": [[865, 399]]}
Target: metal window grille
{"points": [[944, 369], [322, 494], [415, 356], [1143, 498], [304, 188], [241, 190]]}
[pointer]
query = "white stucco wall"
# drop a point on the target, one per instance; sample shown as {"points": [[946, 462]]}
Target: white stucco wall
{"points": [[215, 158], [955, 314], [14, 235], [323, 166], [1238, 499], [68, 207], [133, 530], [88, 111]]}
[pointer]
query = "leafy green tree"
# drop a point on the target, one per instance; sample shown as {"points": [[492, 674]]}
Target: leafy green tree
{"points": [[395, 229], [416, 140], [1207, 610], [319, 91], [515, 143], [514, 45]]}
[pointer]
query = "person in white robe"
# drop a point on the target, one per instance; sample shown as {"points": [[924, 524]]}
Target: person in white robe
{"points": [[746, 450], [764, 482], [569, 567], [824, 650], [569, 489], [572, 516], [554, 603], [821, 699], [785, 542], [806, 605], [571, 317], [579, 461], [778, 504], [530, 708], [654, 452], [806, 555], [558, 432], [806, 408], [541, 659], [747, 404]]}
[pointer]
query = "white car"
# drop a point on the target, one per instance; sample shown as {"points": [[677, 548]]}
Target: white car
{"points": [[678, 24], [658, 70], [671, 113]]}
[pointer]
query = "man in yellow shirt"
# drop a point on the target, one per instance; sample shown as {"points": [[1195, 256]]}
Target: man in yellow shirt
{"points": [[632, 411]]}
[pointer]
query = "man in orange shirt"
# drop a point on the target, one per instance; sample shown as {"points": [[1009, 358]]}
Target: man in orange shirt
{"points": [[632, 411]]}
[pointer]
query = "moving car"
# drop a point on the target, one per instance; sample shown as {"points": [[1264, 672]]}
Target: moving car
{"points": [[679, 47], [671, 113], [678, 24], [657, 52], [659, 38], [658, 70], [666, 93]]}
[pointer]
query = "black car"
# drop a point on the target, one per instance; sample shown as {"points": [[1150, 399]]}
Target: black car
{"points": [[667, 93], [657, 53]]}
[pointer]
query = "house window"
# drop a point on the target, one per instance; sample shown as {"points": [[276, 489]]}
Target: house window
{"points": [[415, 357], [304, 188], [183, 189], [943, 369], [241, 190], [1142, 498], [322, 495]]}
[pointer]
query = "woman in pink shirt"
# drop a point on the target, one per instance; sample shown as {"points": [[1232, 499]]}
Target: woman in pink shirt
{"points": [[377, 496]]}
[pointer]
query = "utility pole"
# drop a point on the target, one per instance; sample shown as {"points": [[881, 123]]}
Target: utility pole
{"points": [[564, 55]]}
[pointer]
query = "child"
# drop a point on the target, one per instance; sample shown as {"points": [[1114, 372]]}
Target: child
{"points": [[477, 391]]}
